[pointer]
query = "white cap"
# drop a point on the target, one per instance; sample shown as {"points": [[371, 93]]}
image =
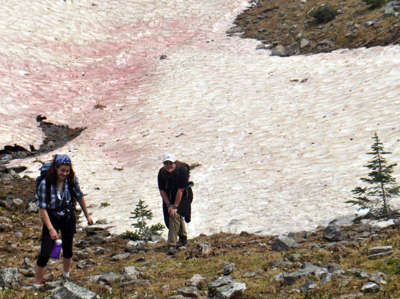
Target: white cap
{"points": [[169, 157]]}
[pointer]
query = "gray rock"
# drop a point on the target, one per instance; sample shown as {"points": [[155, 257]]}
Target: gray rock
{"points": [[197, 281], [389, 11], [325, 278], [279, 50], [304, 43], [130, 273], [9, 277], [308, 285], [121, 256], [32, 207], [205, 249], [284, 243], [17, 202], [378, 278], [291, 277], [370, 287], [335, 269], [72, 291], [219, 282], [190, 292], [231, 290], [379, 249], [333, 233], [109, 277], [294, 257], [309, 268], [234, 30], [343, 220], [99, 250], [278, 277], [379, 255], [6, 158], [228, 268]]}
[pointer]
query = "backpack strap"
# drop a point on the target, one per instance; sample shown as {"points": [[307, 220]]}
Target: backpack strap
{"points": [[48, 192], [64, 204]]}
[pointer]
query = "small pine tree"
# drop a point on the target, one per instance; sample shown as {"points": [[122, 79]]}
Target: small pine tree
{"points": [[143, 232], [383, 185]]}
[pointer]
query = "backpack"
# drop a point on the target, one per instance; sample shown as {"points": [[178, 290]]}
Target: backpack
{"points": [[43, 172], [43, 176]]}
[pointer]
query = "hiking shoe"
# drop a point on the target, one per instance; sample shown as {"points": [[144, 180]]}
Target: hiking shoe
{"points": [[182, 242], [171, 250], [65, 278]]}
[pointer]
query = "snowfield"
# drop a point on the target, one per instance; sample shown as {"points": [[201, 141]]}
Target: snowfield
{"points": [[281, 141]]}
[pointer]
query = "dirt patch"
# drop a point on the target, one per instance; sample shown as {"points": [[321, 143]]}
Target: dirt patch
{"points": [[289, 24]]}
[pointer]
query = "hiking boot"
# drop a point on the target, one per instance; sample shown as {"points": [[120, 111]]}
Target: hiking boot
{"points": [[171, 250], [182, 242], [65, 278]]}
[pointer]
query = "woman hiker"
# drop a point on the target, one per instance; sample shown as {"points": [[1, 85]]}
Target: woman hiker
{"points": [[176, 194], [56, 196]]}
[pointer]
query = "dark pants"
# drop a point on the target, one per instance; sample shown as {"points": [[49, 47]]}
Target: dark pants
{"points": [[67, 226]]}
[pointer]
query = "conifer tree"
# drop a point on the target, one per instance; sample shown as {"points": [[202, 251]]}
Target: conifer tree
{"points": [[382, 187], [143, 232]]}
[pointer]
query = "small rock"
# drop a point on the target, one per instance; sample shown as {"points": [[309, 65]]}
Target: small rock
{"points": [[32, 207], [279, 50], [197, 281], [228, 268], [308, 285], [304, 43], [370, 287], [284, 243], [121, 256], [17, 202], [191, 292], [109, 277], [130, 273]]}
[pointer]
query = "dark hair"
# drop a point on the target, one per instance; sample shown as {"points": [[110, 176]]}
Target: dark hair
{"points": [[52, 173]]}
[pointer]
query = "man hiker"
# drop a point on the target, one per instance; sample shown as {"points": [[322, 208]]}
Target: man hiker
{"points": [[176, 194]]}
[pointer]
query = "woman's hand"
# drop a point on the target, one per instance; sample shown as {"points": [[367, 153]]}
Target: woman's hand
{"points": [[53, 234], [89, 220]]}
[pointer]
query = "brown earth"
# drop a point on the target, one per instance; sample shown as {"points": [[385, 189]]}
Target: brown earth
{"points": [[287, 23]]}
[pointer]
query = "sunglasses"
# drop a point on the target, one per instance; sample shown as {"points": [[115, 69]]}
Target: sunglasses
{"points": [[168, 163]]}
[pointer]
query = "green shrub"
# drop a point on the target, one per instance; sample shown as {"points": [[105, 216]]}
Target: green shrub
{"points": [[323, 14], [375, 3]]}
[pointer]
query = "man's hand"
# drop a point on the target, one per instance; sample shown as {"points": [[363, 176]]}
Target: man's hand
{"points": [[53, 234], [172, 211]]}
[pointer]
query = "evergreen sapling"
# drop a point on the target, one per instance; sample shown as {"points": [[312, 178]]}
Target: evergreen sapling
{"points": [[142, 231], [382, 186]]}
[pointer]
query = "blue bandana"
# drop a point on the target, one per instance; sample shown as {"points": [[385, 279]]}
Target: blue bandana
{"points": [[62, 160]]}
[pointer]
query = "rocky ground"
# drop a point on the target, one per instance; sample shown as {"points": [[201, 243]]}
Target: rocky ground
{"points": [[343, 260], [288, 28]]}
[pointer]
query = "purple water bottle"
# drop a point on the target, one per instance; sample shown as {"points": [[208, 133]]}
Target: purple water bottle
{"points": [[56, 249]]}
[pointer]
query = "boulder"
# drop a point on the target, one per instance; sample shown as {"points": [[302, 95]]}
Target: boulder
{"points": [[284, 243], [72, 291]]}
